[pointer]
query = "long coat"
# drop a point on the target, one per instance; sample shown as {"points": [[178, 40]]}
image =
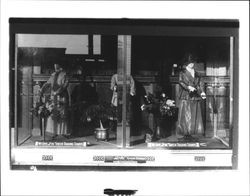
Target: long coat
{"points": [[190, 119], [185, 80], [58, 84]]}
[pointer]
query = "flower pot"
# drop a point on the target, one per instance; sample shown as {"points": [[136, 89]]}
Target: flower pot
{"points": [[101, 134]]}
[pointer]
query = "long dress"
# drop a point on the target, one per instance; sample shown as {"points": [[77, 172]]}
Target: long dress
{"points": [[58, 84], [190, 117], [114, 101]]}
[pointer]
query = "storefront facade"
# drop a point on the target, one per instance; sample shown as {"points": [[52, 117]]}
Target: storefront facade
{"points": [[123, 86]]}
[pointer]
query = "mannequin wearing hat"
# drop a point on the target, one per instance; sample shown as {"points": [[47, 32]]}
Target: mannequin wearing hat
{"points": [[190, 121], [58, 96]]}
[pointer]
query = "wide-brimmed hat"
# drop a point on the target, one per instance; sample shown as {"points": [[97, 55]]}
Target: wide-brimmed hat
{"points": [[189, 58]]}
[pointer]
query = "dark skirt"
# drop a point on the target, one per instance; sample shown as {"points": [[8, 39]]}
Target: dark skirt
{"points": [[190, 118]]}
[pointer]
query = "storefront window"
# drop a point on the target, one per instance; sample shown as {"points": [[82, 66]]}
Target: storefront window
{"points": [[167, 112], [173, 90], [66, 93]]}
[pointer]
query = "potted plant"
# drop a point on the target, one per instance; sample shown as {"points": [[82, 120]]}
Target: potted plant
{"points": [[162, 108], [42, 111], [101, 115], [47, 106]]}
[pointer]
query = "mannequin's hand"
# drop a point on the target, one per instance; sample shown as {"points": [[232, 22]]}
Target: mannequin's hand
{"points": [[191, 89], [203, 95], [115, 88]]}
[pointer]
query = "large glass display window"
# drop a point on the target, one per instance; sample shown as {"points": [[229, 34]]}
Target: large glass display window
{"points": [[151, 95], [185, 101], [67, 90]]}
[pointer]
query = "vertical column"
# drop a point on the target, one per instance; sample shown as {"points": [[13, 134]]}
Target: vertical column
{"points": [[90, 45], [124, 71], [15, 132], [234, 97], [231, 81]]}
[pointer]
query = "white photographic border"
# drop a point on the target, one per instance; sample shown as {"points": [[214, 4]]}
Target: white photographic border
{"points": [[210, 182]]}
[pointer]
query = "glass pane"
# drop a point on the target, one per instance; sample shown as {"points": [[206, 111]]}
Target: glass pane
{"points": [[183, 89], [67, 90], [124, 90], [24, 103]]}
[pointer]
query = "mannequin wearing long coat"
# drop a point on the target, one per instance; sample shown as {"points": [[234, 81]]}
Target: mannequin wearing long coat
{"points": [[58, 84], [191, 93]]}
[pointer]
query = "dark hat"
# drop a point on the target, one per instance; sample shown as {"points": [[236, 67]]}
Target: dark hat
{"points": [[189, 58]]}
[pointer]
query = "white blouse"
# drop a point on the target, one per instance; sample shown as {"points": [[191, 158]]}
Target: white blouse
{"points": [[191, 71]]}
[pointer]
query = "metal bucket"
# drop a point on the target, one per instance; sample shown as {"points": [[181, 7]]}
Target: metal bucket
{"points": [[101, 134]]}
